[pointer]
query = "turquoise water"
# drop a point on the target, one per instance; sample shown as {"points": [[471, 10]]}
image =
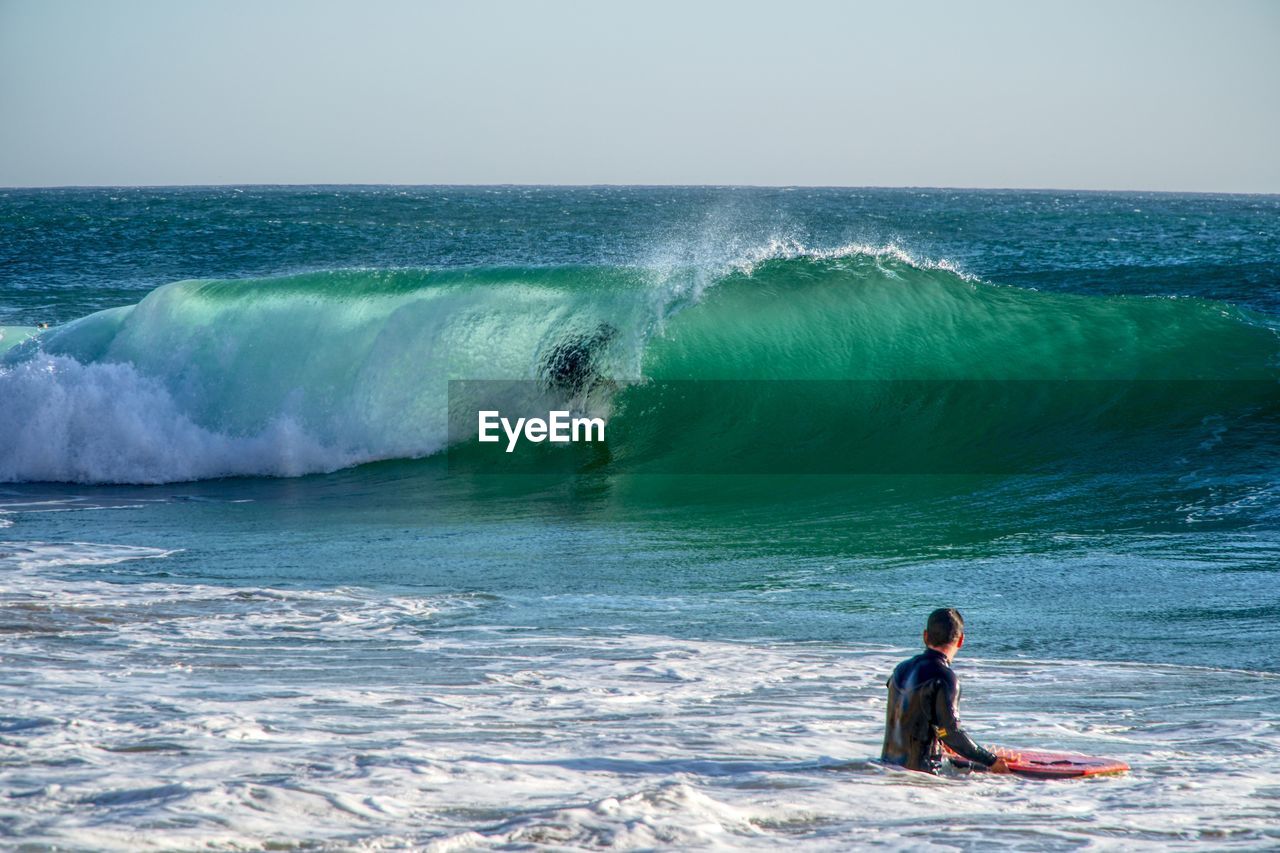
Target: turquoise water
{"points": [[253, 590]]}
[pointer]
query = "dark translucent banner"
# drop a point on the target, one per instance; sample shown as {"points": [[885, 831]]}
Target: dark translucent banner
{"points": [[865, 427]]}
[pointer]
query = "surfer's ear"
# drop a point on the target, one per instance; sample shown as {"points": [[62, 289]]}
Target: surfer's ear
{"points": [[960, 642]]}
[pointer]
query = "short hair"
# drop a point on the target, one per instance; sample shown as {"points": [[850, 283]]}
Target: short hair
{"points": [[944, 627]]}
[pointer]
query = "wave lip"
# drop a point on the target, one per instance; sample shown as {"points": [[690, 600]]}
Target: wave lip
{"points": [[780, 249]]}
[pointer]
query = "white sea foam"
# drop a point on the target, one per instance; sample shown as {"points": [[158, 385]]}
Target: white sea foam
{"points": [[155, 715], [30, 555], [67, 421], [786, 248]]}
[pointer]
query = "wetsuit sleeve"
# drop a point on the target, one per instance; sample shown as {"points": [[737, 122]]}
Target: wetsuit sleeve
{"points": [[946, 722]]}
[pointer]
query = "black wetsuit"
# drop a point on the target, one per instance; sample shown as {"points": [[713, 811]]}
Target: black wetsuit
{"points": [[923, 695]]}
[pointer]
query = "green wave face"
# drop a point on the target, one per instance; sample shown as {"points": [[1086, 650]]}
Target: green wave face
{"points": [[325, 370], [873, 365], [864, 317]]}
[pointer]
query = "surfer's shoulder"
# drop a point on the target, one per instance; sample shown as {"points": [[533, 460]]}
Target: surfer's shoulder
{"points": [[923, 669], [931, 667]]}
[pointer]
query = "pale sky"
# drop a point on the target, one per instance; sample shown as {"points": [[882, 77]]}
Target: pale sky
{"points": [[1159, 95]]}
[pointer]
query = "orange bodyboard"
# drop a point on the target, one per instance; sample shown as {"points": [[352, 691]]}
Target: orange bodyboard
{"points": [[1040, 764]]}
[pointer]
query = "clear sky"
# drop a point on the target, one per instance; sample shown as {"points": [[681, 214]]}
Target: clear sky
{"points": [[1125, 94]]}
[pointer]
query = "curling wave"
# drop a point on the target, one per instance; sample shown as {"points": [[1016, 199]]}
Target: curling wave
{"points": [[320, 371]]}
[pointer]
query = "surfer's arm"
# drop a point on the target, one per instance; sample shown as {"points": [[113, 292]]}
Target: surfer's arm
{"points": [[946, 723]]}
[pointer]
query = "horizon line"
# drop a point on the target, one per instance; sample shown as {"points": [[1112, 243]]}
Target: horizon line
{"points": [[241, 185]]}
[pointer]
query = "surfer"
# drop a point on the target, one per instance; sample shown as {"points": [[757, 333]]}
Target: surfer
{"points": [[924, 696], [572, 364]]}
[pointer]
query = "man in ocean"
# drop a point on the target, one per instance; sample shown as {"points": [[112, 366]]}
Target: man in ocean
{"points": [[923, 698]]}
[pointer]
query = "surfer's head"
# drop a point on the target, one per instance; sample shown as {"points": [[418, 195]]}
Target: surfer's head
{"points": [[945, 630]]}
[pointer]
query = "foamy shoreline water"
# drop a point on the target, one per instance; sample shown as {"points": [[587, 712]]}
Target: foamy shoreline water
{"points": [[175, 716]]}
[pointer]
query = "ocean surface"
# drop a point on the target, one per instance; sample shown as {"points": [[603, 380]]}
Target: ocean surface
{"points": [[257, 593]]}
